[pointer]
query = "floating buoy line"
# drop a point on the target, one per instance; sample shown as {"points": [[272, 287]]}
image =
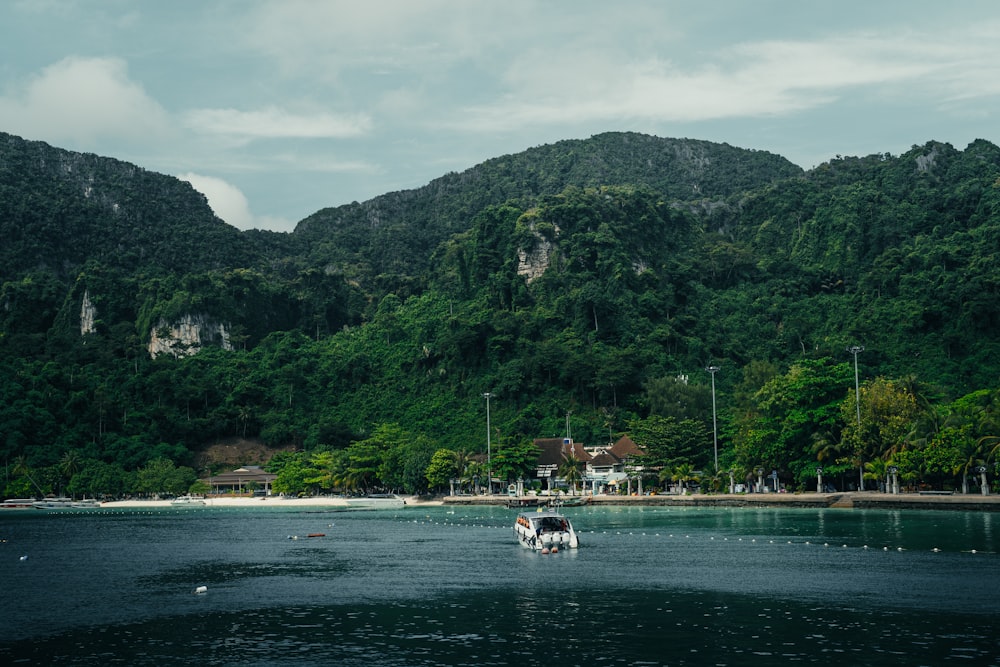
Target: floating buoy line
{"points": [[488, 522]]}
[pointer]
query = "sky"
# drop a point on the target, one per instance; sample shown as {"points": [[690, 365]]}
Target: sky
{"points": [[275, 109]]}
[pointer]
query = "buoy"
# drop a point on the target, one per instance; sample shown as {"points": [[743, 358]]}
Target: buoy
{"points": [[23, 558], [555, 550], [545, 550], [200, 590]]}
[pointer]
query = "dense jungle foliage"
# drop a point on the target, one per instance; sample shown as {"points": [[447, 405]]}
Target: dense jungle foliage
{"points": [[586, 283]]}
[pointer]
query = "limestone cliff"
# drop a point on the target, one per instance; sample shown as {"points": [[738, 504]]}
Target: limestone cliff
{"points": [[88, 315], [187, 335]]}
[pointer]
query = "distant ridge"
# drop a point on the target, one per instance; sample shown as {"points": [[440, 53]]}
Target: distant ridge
{"points": [[397, 232]]}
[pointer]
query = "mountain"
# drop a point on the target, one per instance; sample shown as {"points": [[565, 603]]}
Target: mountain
{"points": [[593, 277], [394, 235], [60, 209]]}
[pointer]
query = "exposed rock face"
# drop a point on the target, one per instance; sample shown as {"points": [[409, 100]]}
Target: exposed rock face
{"points": [[88, 314], [186, 336], [532, 262]]}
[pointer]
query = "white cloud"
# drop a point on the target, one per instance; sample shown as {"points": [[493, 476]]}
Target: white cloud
{"points": [[230, 204], [747, 80], [274, 122], [83, 101]]}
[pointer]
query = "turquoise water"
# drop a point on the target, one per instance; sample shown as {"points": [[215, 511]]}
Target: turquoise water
{"points": [[449, 586]]}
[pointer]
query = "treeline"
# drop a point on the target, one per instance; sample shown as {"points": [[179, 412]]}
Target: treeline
{"points": [[599, 306]]}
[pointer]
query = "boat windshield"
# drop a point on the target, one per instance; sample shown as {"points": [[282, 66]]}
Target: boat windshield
{"points": [[550, 523]]}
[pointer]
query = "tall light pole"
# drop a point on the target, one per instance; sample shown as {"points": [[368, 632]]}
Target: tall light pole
{"points": [[856, 350], [715, 429], [489, 457]]}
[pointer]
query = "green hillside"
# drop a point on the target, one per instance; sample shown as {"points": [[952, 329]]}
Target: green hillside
{"points": [[588, 281]]}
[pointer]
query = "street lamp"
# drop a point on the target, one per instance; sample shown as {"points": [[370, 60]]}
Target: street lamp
{"points": [[489, 458], [855, 350], [715, 429]]}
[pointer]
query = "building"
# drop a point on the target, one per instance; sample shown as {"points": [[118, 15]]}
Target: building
{"points": [[553, 452], [610, 467], [245, 479]]}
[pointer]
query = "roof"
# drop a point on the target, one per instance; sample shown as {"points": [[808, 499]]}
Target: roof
{"points": [[604, 459], [556, 450], [243, 474], [625, 448]]}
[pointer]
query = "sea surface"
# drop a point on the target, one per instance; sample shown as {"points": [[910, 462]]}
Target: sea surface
{"points": [[450, 586]]}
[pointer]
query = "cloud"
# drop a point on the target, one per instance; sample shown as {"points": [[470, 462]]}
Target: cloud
{"points": [[83, 101], [231, 205], [274, 122], [745, 80]]}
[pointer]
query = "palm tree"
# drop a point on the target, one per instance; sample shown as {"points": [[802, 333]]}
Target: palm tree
{"points": [[877, 470], [571, 471], [713, 477], [681, 473], [21, 467], [70, 464], [463, 460]]}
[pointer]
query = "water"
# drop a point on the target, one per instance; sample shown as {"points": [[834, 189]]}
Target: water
{"points": [[449, 586]]}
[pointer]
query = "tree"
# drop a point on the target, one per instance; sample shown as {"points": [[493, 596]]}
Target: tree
{"points": [[323, 471], [571, 470], [878, 471], [779, 432], [682, 473], [514, 460], [442, 469], [161, 476], [668, 442], [290, 474], [888, 412]]}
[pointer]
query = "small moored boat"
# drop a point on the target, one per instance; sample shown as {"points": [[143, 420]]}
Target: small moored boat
{"points": [[187, 500], [53, 503], [19, 503], [545, 531], [376, 501], [571, 501]]}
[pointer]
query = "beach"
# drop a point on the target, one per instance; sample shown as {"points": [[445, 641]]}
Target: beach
{"points": [[860, 500], [267, 501]]}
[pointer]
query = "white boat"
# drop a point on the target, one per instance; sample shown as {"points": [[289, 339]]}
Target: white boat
{"points": [[51, 503], [86, 504], [376, 501], [19, 503], [187, 500], [545, 531]]}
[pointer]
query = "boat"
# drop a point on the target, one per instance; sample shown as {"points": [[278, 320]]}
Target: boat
{"points": [[53, 503], [18, 504], [545, 531], [187, 500], [515, 502], [376, 501], [571, 501], [63, 503]]}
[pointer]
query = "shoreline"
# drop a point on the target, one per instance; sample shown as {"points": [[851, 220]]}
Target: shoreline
{"points": [[849, 500]]}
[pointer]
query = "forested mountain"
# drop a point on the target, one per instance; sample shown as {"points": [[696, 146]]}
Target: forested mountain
{"points": [[588, 280], [390, 238]]}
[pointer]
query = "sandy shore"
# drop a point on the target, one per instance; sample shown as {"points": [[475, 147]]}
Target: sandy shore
{"points": [[868, 500], [273, 501]]}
